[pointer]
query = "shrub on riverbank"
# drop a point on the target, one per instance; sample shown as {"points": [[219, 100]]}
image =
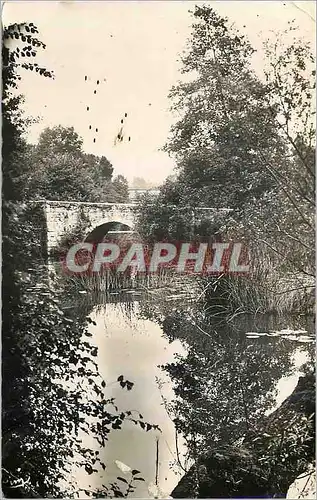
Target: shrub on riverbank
{"points": [[265, 290]]}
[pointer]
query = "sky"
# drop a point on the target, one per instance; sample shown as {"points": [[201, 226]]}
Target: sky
{"points": [[133, 49]]}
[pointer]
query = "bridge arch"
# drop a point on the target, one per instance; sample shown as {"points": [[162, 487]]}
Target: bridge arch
{"points": [[112, 227], [64, 216]]}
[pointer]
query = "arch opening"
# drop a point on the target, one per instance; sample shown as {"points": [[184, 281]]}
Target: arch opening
{"points": [[114, 230]]}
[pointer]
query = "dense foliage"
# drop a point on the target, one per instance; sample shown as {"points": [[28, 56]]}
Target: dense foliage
{"points": [[58, 169], [245, 143], [242, 142], [52, 393], [225, 384]]}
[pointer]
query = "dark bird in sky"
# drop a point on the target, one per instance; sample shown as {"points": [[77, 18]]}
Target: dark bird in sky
{"points": [[95, 91], [85, 78], [121, 121], [97, 82], [89, 127], [125, 114], [96, 130], [129, 139], [87, 108], [94, 140]]}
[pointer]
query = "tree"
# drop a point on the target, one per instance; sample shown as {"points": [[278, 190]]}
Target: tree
{"points": [[225, 118], [59, 140], [58, 169], [105, 168], [245, 144], [287, 219], [61, 176], [121, 189], [14, 122], [43, 415]]}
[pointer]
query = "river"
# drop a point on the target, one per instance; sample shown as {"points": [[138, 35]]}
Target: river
{"points": [[129, 330]]}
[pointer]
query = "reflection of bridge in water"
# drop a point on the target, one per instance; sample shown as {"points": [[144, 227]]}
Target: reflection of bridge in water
{"points": [[99, 219]]}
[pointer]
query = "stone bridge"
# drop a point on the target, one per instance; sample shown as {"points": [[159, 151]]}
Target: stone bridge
{"points": [[62, 217]]}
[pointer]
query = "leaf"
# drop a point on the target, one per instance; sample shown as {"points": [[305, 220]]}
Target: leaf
{"points": [[120, 379], [88, 469], [135, 471], [122, 479], [129, 385], [139, 479], [118, 493], [117, 425]]}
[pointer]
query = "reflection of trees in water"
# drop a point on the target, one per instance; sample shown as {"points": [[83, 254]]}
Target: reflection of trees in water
{"points": [[226, 383], [222, 386], [84, 305]]}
